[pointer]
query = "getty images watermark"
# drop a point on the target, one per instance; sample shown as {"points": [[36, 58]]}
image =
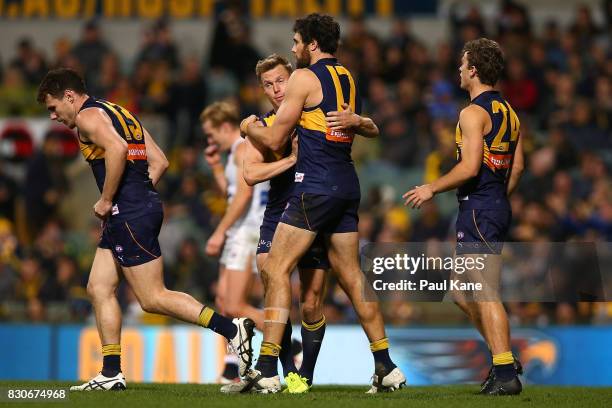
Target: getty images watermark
{"points": [[523, 272], [412, 265]]}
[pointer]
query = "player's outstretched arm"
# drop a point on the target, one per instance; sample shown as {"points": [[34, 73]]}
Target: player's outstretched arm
{"points": [[256, 170], [288, 114], [518, 164], [347, 119], [96, 126], [158, 163], [239, 205], [472, 120]]}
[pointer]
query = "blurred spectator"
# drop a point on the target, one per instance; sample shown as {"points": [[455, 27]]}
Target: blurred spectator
{"points": [[16, 95], [466, 23], [29, 62], [31, 278], [584, 27], [65, 285], [8, 195], [90, 52], [192, 271], [158, 46], [520, 90], [63, 55], [123, 94], [188, 96], [45, 183], [107, 76], [231, 38]]}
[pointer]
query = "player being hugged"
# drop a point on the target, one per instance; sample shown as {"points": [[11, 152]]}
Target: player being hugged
{"points": [[127, 164], [325, 196], [490, 155]]}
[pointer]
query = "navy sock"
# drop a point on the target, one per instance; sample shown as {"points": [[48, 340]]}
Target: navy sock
{"points": [[312, 338], [380, 351], [267, 366], [217, 323], [111, 365], [505, 372], [267, 363], [286, 356]]}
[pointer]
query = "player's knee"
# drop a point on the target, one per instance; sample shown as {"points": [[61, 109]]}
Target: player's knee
{"points": [[311, 310], [311, 305], [97, 290]]}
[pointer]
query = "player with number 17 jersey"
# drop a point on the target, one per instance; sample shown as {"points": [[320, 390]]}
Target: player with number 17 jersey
{"points": [[326, 193]]}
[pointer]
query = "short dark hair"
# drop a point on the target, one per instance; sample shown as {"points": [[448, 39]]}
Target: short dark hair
{"points": [[488, 59], [321, 28], [271, 62], [57, 81]]}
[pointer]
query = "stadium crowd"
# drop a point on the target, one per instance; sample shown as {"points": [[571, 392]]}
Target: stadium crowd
{"points": [[559, 81]]}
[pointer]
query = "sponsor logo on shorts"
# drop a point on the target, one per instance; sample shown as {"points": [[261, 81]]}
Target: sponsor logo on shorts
{"points": [[118, 248], [460, 235], [115, 209], [299, 177]]}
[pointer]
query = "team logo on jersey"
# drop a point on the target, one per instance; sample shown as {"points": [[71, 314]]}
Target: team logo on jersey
{"points": [[299, 177]]}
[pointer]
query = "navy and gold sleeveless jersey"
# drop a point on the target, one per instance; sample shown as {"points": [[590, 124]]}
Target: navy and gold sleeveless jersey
{"points": [[135, 195], [324, 164], [488, 189], [281, 186]]}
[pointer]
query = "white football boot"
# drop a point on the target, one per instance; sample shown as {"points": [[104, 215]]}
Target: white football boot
{"points": [[241, 343], [387, 382], [234, 387], [262, 385], [102, 383]]}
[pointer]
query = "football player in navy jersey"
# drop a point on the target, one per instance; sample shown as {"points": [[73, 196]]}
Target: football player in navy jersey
{"points": [[325, 196], [490, 163], [127, 164]]}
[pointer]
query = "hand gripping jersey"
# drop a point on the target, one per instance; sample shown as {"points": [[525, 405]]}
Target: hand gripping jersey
{"points": [[324, 164], [135, 195], [488, 189]]}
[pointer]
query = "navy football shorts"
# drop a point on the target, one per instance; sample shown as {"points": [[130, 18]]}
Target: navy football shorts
{"points": [[133, 242], [321, 213], [314, 258], [482, 231]]}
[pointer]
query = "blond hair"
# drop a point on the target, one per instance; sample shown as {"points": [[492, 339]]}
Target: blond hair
{"points": [[219, 113]]}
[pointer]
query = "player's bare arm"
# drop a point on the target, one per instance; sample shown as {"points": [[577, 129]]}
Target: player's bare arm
{"points": [[213, 158], [158, 163], [473, 121], [257, 169], [518, 165], [299, 89], [238, 206], [97, 127], [347, 119]]}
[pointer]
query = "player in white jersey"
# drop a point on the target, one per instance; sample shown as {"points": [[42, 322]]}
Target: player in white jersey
{"points": [[237, 234]]}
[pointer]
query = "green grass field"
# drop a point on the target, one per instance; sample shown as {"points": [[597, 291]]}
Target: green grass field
{"points": [[189, 395]]}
